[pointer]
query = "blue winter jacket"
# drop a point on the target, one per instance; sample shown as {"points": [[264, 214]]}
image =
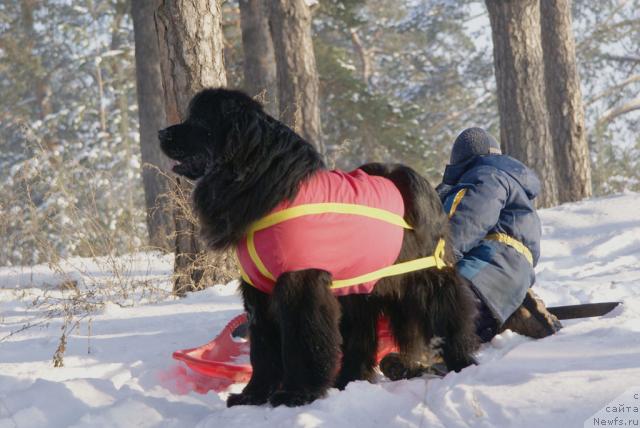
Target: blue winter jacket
{"points": [[495, 227]]}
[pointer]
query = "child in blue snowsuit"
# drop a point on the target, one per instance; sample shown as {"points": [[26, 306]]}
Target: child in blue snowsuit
{"points": [[496, 234]]}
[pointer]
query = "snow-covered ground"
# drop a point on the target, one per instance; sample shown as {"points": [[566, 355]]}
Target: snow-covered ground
{"points": [[118, 369]]}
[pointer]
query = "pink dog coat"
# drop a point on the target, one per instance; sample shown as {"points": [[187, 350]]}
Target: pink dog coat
{"points": [[349, 224]]}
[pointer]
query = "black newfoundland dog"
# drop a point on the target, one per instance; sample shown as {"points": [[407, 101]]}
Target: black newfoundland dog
{"points": [[304, 337]]}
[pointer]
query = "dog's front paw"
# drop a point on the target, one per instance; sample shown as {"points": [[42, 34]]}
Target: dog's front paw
{"points": [[293, 398], [243, 399]]}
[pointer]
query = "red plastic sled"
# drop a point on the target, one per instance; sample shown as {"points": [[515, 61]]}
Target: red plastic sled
{"points": [[226, 359]]}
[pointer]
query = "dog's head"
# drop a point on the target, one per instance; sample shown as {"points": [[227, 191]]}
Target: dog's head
{"points": [[202, 142], [245, 162]]}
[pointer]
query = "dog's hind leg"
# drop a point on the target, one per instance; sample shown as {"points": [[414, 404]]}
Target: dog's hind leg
{"points": [[358, 327], [408, 327], [308, 316], [441, 310], [447, 307], [450, 310], [264, 351]]}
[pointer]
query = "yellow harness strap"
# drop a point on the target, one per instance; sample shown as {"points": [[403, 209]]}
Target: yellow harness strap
{"points": [[330, 207], [513, 243], [436, 260], [456, 201], [243, 274]]}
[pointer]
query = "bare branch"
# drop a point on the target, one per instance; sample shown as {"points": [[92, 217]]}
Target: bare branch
{"points": [[615, 112], [603, 24], [364, 53], [614, 88], [621, 58]]}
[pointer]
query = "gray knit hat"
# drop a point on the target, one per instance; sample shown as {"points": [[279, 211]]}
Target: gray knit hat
{"points": [[472, 142]]}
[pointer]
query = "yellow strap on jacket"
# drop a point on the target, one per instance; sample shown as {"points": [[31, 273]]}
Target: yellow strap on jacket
{"points": [[513, 243], [456, 201], [436, 260]]}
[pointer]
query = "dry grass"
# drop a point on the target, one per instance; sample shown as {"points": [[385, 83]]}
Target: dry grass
{"points": [[48, 216]]}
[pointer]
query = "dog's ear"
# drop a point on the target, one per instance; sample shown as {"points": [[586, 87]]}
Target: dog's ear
{"points": [[239, 103], [246, 143]]}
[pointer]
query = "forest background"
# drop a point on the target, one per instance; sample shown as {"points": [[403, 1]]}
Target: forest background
{"points": [[397, 81]]}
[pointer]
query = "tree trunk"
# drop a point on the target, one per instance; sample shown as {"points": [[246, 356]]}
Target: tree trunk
{"points": [[155, 165], [290, 23], [41, 78], [564, 101], [519, 68], [190, 46], [259, 60]]}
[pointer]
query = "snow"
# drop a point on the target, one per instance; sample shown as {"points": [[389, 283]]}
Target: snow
{"points": [[118, 369]]}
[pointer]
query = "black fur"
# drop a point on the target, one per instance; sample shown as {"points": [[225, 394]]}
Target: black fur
{"points": [[251, 162], [245, 163]]}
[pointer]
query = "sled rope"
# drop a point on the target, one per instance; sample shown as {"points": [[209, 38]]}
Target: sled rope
{"points": [[436, 260]]}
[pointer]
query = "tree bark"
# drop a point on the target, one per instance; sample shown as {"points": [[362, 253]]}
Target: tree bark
{"points": [[519, 69], [564, 101], [259, 59], [190, 45], [290, 23], [155, 165]]}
